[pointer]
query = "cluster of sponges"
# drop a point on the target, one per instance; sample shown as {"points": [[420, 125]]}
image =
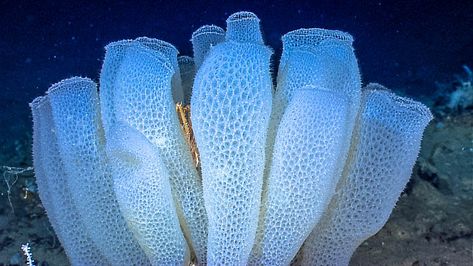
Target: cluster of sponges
{"points": [[303, 173]]}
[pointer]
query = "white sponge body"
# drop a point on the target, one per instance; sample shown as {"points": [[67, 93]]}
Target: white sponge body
{"points": [[203, 39], [114, 53], [81, 144], [314, 166], [143, 92], [141, 183], [304, 173], [55, 195], [384, 149], [320, 59], [230, 105], [309, 37]]}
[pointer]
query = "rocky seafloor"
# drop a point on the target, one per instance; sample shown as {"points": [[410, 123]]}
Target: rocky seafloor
{"points": [[431, 225]]}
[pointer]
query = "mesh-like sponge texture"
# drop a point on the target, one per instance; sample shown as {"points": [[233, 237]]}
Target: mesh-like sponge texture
{"points": [[244, 27], [329, 64], [203, 39], [143, 92], [384, 149], [143, 191], [74, 104], [304, 175], [114, 53], [309, 37], [45, 193], [170, 52], [231, 105], [319, 57], [54, 192]]}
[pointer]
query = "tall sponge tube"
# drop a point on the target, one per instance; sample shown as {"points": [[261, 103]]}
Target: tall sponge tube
{"points": [[384, 149], [144, 97], [114, 53], [244, 27], [315, 58], [230, 106], [81, 142], [304, 173], [51, 178], [143, 191], [320, 58], [203, 39]]}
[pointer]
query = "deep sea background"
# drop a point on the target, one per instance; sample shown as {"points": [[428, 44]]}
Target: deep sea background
{"points": [[410, 46], [407, 46]]}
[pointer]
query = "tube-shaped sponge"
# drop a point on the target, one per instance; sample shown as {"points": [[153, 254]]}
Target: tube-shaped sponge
{"points": [[114, 53], [38, 111], [304, 173], [321, 58], [53, 190], [231, 105], [244, 27], [203, 39], [384, 149], [143, 92], [317, 58], [309, 37], [170, 52], [75, 111], [143, 191], [309, 59]]}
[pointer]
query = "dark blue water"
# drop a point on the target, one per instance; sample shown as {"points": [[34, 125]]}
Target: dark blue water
{"points": [[406, 46]]}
